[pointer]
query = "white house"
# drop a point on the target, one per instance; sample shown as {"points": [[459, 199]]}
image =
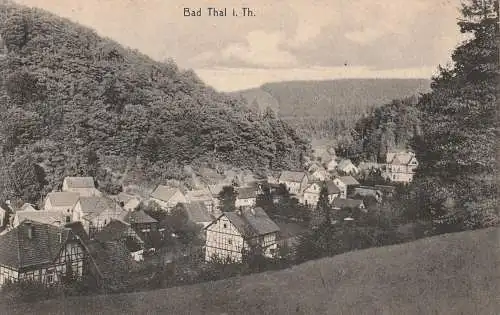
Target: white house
{"points": [[232, 233], [296, 182], [96, 212], [331, 164], [167, 197], [312, 192], [246, 197], [320, 175], [41, 252], [400, 166], [345, 184], [85, 186], [347, 167], [46, 217], [62, 202]]}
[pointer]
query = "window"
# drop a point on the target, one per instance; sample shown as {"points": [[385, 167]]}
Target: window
{"points": [[230, 242], [225, 225]]}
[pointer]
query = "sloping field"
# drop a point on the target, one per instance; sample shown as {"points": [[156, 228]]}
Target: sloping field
{"points": [[450, 274]]}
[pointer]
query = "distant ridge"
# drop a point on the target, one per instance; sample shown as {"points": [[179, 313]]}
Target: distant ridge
{"points": [[329, 97]]}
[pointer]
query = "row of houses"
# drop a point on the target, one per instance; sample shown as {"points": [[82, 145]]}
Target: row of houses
{"points": [[399, 167]]}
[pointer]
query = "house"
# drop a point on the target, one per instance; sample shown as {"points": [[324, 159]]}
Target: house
{"points": [[347, 167], [140, 221], [85, 186], [201, 195], [312, 192], [400, 166], [40, 252], [367, 166], [232, 233], [387, 190], [339, 204], [346, 185], [121, 231], [296, 182], [127, 202], [198, 213], [167, 197], [61, 201], [3, 214], [28, 207], [96, 212], [368, 191], [289, 235], [320, 175], [46, 217], [246, 197], [331, 164]]}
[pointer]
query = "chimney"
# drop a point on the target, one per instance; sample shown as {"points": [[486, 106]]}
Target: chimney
{"points": [[29, 228]]}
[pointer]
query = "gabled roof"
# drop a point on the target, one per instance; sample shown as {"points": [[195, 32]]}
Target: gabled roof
{"points": [[348, 180], [40, 216], [347, 203], [198, 195], [95, 205], [252, 222], [216, 189], [79, 182], [139, 217], [289, 176], [124, 197], [399, 158], [27, 207], [197, 212], [164, 193], [332, 188], [246, 193], [63, 198], [344, 164], [116, 230], [19, 251]]}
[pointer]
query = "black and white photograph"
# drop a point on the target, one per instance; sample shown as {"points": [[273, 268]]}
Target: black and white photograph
{"points": [[258, 157]]}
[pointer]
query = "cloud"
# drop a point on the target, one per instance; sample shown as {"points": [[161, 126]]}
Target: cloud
{"points": [[261, 49]]}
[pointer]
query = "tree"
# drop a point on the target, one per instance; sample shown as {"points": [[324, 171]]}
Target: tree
{"points": [[227, 198], [456, 152], [323, 205]]}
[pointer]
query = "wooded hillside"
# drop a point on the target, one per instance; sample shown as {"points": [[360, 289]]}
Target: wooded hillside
{"points": [[73, 103]]}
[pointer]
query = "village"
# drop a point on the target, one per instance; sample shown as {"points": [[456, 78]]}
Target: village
{"points": [[80, 232]]}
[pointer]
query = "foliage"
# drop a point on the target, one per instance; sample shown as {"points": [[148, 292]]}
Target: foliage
{"points": [[227, 198], [456, 179], [75, 103]]}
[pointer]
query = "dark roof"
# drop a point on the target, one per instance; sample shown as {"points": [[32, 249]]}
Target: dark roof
{"points": [[111, 259], [94, 205], [346, 203], [78, 229], [332, 188], [80, 182], [116, 230], [18, 250], [63, 198], [252, 222], [139, 217], [164, 193], [386, 188], [197, 212], [349, 180], [289, 176], [247, 192], [290, 230]]}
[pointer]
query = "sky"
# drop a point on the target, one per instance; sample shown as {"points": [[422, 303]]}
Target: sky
{"points": [[284, 40]]}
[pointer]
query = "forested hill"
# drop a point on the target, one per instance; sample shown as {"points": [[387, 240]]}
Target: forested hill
{"points": [[320, 99], [73, 103]]}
